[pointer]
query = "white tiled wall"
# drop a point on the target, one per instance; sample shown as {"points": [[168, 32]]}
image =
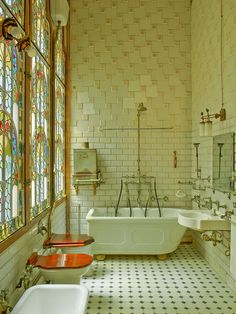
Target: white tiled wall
{"points": [[206, 93], [123, 53]]}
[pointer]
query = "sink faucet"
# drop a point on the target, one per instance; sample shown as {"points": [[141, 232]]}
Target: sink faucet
{"points": [[197, 200], [208, 202], [209, 205], [218, 206], [227, 215], [214, 210], [222, 206]]}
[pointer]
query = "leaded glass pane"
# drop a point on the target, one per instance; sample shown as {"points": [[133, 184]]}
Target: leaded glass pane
{"points": [[11, 140], [40, 136], [59, 142], [40, 28], [60, 57], [17, 9]]}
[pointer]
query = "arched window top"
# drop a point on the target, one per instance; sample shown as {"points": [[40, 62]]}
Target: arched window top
{"points": [[41, 28], [60, 56]]}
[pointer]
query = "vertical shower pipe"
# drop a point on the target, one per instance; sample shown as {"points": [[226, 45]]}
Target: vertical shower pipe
{"points": [[140, 108], [138, 161]]}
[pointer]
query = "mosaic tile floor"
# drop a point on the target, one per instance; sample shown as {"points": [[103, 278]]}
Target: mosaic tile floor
{"points": [[183, 284]]}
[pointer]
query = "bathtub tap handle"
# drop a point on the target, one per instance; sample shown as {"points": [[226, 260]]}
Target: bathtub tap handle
{"points": [[165, 198]]}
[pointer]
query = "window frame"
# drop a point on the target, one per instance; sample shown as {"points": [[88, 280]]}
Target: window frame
{"points": [[26, 89]]}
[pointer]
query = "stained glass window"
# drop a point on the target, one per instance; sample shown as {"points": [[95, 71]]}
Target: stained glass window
{"points": [[40, 136], [59, 141], [59, 118], [40, 131], [17, 9], [40, 28], [26, 124], [60, 57], [11, 140]]}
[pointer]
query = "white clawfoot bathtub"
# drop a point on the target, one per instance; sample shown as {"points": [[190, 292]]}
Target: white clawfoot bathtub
{"points": [[151, 235]]}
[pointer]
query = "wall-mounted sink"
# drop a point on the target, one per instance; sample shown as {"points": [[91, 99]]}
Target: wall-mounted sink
{"points": [[202, 220], [53, 299]]}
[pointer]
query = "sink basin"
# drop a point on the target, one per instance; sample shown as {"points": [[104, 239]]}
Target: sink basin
{"points": [[53, 299], [202, 220]]}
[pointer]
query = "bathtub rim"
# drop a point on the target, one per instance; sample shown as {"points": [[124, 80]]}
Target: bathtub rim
{"points": [[90, 217]]}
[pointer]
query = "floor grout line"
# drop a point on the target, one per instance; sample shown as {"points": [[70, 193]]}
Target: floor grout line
{"points": [[182, 284]]}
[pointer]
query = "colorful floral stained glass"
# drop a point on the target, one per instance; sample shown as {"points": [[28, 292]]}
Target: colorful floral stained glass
{"points": [[11, 140], [60, 56], [41, 28], [59, 118], [17, 9], [59, 141], [40, 136]]}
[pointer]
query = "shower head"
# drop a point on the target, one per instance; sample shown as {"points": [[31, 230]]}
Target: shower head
{"points": [[141, 107]]}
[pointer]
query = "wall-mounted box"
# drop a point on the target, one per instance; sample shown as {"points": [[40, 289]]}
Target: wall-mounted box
{"points": [[85, 169], [85, 161]]}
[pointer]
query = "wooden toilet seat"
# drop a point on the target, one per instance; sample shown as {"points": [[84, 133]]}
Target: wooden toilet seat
{"points": [[68, 240], [60, 261]]}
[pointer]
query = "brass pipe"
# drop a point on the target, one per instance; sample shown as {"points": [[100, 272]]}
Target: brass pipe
{"points": [[138, 161], [49, 219], [198, 171], [140, 108]]}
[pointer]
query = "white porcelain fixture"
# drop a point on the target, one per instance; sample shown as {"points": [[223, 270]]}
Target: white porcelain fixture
{"points": [[134, 235], [87, 249], [64, 276], [53, 299], [202, 220]]}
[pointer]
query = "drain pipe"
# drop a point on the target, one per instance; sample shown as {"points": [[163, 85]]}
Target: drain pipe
{"points": [[118, 202], [148, 200], [158, 204]]}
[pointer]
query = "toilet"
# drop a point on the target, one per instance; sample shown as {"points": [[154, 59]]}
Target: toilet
{"points": [[70, 243], [61, 268], [233, 247]]}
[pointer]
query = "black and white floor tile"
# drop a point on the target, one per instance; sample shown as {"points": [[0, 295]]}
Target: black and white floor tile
{"points": [[182, 284]]}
